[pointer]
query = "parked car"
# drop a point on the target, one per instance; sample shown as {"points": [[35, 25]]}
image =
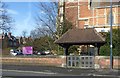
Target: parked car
{"points": [[12, 52], [47, 52], [19, 52], [36, 53], [42, 53], [15, 52]]}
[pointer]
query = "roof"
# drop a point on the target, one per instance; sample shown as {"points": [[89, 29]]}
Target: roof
{"points": [[80, 36]]}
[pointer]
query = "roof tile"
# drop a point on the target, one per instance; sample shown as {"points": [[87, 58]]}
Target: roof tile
{"points": [[81, 36]]}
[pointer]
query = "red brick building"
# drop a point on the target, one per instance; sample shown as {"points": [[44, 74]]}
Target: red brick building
{"points": [[8, 40], [90, 14], [86, 14]]}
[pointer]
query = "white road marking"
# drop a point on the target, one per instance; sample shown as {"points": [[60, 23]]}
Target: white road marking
{"points": [[52, 73], [106, 75], [99, 75], [20, 71]]}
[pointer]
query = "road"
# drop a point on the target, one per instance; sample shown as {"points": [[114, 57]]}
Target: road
{"points": [[13, 71]]}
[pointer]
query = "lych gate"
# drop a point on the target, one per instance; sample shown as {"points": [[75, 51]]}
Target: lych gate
{"points": [[80, 61], [81, 37]]}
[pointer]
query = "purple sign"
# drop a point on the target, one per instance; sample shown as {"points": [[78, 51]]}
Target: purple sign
{"points": [[28, 50]]}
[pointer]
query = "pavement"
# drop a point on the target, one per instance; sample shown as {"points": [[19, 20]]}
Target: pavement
{"points": [[23, 70]]}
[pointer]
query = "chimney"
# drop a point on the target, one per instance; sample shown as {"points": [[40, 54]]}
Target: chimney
{"points": [[9, 35]]}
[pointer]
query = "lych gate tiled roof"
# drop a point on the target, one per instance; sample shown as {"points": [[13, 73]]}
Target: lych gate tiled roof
{"points": [[80, 36]]}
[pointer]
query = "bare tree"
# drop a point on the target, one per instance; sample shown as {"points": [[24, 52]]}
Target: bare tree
{"points": [[40, 32], [46, 19], [33, 34], [6, 22], [49, 18], [24, 33]]}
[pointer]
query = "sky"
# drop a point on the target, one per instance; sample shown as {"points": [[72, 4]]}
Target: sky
{"points": [[23, 13]]}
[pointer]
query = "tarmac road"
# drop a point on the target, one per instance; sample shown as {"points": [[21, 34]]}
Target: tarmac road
{"points": [[14, 71]]}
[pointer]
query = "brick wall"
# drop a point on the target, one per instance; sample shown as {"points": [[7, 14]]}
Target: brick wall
{"points": [[79, 12], [104, 62], [46, 61], [71, 13], [59, 61]]}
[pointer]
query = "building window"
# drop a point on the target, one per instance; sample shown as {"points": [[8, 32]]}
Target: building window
{"points": [[10, 43], [89, 4], [15, 44], [109, 18]]}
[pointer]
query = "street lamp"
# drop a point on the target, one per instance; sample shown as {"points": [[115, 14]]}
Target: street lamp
{"points": [[111, 18]]}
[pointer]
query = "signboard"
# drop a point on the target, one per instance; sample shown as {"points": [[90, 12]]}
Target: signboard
{"points": [[28, 50]]}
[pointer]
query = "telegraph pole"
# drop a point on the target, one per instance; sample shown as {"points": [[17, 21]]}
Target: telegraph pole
{"points": [[111, 21]]}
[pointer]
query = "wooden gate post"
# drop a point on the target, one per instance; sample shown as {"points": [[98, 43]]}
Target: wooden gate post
{"points": [[66, 53]]}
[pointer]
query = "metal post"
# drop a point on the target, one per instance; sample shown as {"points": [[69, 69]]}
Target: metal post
{"points": [[111, 18], [66, 53]]}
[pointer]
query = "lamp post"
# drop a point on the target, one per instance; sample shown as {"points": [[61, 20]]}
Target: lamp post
{"points": [[111, 18]]}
